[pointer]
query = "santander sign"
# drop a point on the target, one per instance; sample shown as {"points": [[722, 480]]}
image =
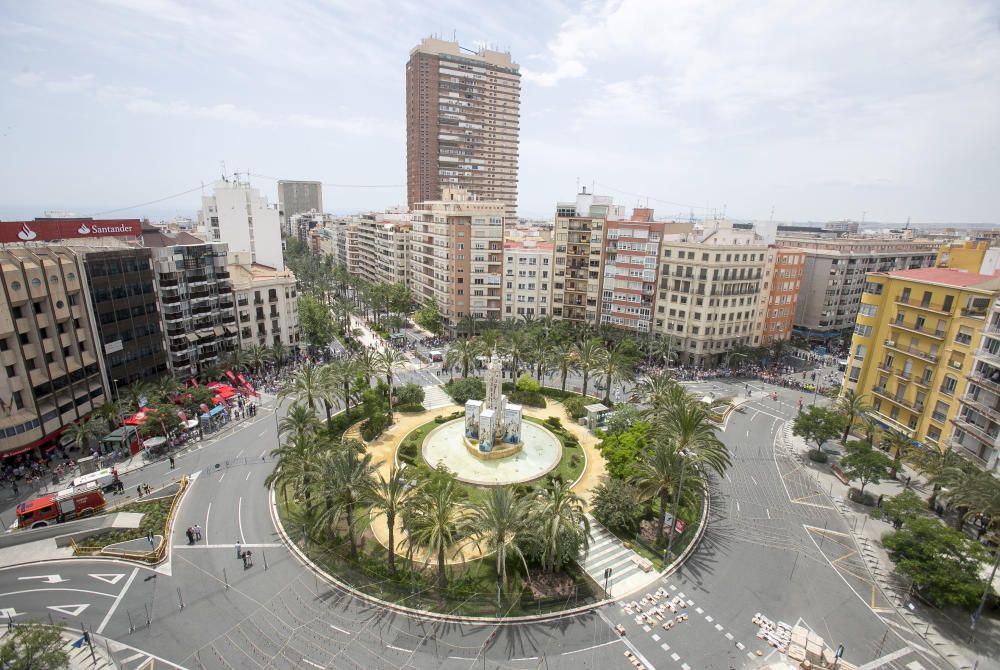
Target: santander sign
{"points": [[46, 230]]}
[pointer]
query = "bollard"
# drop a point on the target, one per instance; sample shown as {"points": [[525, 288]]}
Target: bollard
{"points": [[264, 556], [225, 578], [180, 599], [147, 614], [131, 626]]}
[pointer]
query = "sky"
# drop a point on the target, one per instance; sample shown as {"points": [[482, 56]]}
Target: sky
{"points": [[801, 111]]}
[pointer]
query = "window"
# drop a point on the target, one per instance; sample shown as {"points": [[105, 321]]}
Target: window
{"points": [[855, 373], [859, 353], [873, 288], [949, 385], [862, 331], [867, 310]]}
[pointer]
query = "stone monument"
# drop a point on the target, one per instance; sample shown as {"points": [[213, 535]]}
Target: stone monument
{"points": [[493, 426]]}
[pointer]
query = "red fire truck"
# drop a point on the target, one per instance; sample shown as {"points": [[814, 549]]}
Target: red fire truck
{"points": [[61, 506]]}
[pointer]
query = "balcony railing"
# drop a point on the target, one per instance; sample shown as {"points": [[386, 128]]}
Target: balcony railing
{"points": [[990, 412], [984, 381], [976, 431], [911, 351], [938, 334], [924, 305]]}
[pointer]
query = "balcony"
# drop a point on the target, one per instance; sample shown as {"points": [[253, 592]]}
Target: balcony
{"points": [[992, 412], [937, 334], [881, 392], [984, 381], [927, 306], [911, 351], [982, 434], [989, 356], [975, 312], [893, 423]]}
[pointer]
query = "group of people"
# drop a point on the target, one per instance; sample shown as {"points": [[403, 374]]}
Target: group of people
{"points": [[193, 534], [245, 555]]}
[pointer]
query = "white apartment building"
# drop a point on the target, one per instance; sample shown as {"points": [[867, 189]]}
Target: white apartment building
{"points": [[456, 255], [239, 215], [976, 431], [527, 277], [383, 247], [266, 304], [710, 284]]}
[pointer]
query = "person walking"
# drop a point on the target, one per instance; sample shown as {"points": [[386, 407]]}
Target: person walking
{"points": [[190, 534], [138, 489], [149, 538], [239, 550], [172, 463], [197, 533]]}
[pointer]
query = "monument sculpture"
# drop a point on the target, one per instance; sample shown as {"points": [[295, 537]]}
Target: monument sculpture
{"points": [[493, 426]]}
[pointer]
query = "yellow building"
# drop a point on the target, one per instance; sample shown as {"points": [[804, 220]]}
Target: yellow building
{"points": [[965, 255], [913, 346]]}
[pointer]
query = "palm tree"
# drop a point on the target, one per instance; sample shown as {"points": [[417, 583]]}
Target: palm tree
{"points": [[257, 356], [463, 353], [111, 412], [898, 446], [616, 365], [515, 347], [344, 479], [298, 420], [296, 464], [502, 522], [166, 389], [980, 494], [82, 432], [693, 432], [389, 497], [560, 510], [588, 356], [562, 357], [308, 386], [135, 394], [437, 519], [655, 389], [279, 352], [657, 477], [387, 361], [938, 463], [342, 373], [662, 349], [852, 405], [540, 350]]}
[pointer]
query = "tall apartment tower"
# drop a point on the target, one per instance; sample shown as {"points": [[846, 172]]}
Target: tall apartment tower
{"points": [[462, 123], [298, 197], [240, 216]]}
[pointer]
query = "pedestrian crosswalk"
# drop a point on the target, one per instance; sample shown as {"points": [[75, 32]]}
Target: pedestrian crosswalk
{"points": [[435, 397], [607, 551]]}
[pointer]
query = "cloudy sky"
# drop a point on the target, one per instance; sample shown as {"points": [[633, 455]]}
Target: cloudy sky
{"points": [[820, 110]]}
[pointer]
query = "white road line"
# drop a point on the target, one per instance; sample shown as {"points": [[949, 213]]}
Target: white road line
{"points": [[462, 658], [260, 545], [239, 519], [888, 658], [408, 651], [262, 433], [526, 658], [753, 480], [248, 477], [114, 605], [221, 478], [768, 513], [137, 655], [339, 629], [315, 665], [204, 531], [737, 506], [93, 593], [729, 478], [263, 454], [240, 453], [596, 646]]}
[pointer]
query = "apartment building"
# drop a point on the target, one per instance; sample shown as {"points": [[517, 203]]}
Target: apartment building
{"points": [[976, 429], [578, 256], [630, 269], [196, 300], [527, 277], [783, 273], [48, 347], [297, 197], [456, 255], [834, 276], [266, 303], [383, 247], [239, 216], [301, 224], [914, 347], [710, 281], [121, 288], [462, 123]]}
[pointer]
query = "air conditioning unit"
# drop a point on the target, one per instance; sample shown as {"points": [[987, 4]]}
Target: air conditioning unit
{"points": [[890, 343]]}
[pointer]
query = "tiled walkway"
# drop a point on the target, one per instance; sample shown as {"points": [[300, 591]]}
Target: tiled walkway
{"points": [[607, 551]]}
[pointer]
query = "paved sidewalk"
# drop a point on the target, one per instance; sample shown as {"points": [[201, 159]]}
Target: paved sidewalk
{"points": [[946, 635], [607, 551], [80, 657]]}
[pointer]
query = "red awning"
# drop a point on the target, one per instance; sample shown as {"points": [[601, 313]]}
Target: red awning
{"points": [[138, 418]]}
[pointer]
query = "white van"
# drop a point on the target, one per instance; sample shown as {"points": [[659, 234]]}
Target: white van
{"points": [[103, 478]]}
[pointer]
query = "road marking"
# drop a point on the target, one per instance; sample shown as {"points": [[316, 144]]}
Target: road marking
{"points": [[665, 647], [718, 627], [753, 480], [239, 519], [109, 578], [768, 513], [737, 506], [699, 610], [71, 610], [729, 636], [526, 658], [222, 477], [709, 619], [685, 666], [674, 655], [262, 433], [739, 645], [240, 454], [134, 657], [315, 665], [48, 579], [656, 638], [339, 629], [462, 658], [248, 477], [263, 453], [262, 545], [596, 646], [408, 651], [114, 605], [729, 478], [888, 658], [204, 531], [9, 613]]}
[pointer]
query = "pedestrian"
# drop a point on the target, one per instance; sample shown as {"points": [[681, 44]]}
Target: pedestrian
{"points": [[239, 550], [878, 503], [190, 534], [244, 557], [248, 559], [149, 537], [907, 484], [197, 533], [172, 463], [138, 489], [146, 486]]}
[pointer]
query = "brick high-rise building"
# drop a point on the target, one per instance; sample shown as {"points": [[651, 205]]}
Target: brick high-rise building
{"points": [[462, 123]]}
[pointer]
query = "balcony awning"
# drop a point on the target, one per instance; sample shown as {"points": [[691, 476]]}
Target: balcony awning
{"points": [[192, 337], [219, 332]]}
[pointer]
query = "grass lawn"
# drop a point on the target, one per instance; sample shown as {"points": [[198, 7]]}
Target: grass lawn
{"points": [[154, 521]]}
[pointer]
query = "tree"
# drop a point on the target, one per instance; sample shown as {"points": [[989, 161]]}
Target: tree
{"points": [[279, 352], [257, 357], [387, 361], [309, 385], [343, 481], [464, 354], [437, 519], [527, 384], [161, 419], [34, 648], [622, 450], [501, 522], [388, 498], [588, 357], [939, 463], [616, 365], [82, 432], [942, 563], [559, 511], [853, 406], [662, 349], [409, 395], [898, 445], [902, 507], [296, 465], [298, 420], [466, 389], [561, 358], [315, 321], [614, 505], [111, 412], [980, 494], [818, 425], [864, 464]]}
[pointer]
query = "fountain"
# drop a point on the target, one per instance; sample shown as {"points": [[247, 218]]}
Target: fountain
{"points": [[492, 445]]}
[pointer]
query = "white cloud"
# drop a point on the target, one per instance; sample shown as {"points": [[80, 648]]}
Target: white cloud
{"points": [[352, 125], [39, 79]]}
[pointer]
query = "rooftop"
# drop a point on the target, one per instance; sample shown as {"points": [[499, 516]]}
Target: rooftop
{"points": [[946, 277]]}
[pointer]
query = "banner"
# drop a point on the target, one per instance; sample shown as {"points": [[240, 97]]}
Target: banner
{"points": [[43, 230], [246, 384], [232, 377]]}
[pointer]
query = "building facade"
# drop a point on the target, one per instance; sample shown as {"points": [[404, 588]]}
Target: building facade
{"points": [[914, 345], [527, 277], [266, 303], [834, 276], [298, 197], [456, 256], [48, 347], [123, 296], [709, 287], [239, 216], [462, 123], [196, 301], [976, 429], [630, 268], [782, 283], [382, 247]]}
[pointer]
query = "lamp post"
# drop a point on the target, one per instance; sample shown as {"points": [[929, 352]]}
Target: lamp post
{"points": [[986, 591], [677, 503]]}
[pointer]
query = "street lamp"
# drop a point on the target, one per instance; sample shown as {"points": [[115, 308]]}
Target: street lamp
{"points": [[986, 590], [677, 502]]}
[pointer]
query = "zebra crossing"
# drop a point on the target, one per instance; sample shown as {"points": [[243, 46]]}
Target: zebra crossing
{"points": [[607, 551], [435, 397]]}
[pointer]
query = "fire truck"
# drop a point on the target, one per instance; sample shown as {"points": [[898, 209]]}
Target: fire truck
{"points": [[62, 506]]}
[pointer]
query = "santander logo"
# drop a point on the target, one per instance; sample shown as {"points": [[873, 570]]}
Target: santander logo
{"points": [[27, 234], [83, 229]]}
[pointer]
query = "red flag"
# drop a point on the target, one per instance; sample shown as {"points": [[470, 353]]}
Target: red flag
{"points": [[194, 382], [231, 376], [246, 384]]}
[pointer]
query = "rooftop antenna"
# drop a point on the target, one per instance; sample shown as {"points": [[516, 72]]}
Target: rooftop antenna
{"points": [[223, 164], [771, 220]]}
